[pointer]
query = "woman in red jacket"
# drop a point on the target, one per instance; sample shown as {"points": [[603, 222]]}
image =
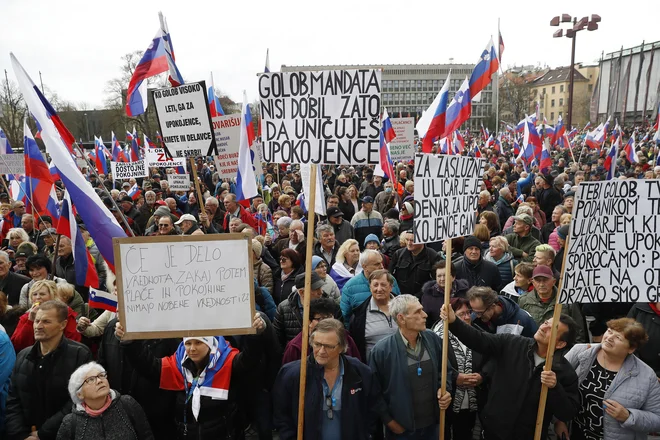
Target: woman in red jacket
{"points": [[41, 291]]}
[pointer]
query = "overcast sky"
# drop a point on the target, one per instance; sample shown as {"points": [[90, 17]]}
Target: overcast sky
{"points": [[77, 45]]}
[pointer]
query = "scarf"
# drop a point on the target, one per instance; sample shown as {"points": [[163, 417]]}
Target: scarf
{"points": [[212, 382], [98, 412]]}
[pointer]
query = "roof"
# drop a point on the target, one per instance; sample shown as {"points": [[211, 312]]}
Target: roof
{"points": [[558, 75]]}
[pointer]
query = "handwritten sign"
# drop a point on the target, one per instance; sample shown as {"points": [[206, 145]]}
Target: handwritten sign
{"points": [[447, 191], [613, 251], [177, 286]]}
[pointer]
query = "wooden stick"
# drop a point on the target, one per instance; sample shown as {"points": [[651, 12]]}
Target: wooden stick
{"points": [[200, 196], [551, 346], [445, 333], [55, 256], [306, 299]]}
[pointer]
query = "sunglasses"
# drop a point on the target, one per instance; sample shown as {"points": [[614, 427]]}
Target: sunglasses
{"points": [[164, 225]]}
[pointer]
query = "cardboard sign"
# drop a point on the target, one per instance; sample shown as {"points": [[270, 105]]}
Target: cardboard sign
{"points": [[613, 252], [179, 182], [227, 138], [402, 147], [126, 170], [327, 117], [178, 286], [157, 157], [185, 120], [446, 196], [12, 164]]}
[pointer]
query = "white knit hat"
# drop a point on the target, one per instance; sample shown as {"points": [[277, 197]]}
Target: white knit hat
{"points": [[208, 340]]}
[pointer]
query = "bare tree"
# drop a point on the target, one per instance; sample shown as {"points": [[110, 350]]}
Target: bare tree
{"points": [[12, 112], [514, 97]]}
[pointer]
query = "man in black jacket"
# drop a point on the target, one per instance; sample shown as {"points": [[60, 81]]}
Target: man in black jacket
{"points": [[11, 283], [412, 266], [547, 195], [513, 397], [38, 397], [474, 269]]}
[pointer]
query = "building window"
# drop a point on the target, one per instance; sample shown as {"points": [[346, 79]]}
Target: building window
{"points": [[552, 116], [396, 84], [424, 84], [407, 85], [561, 114], [435, 85], [552, 103], [419, 84], [591, 87], [561, 88], [543, 90], [561, 102], [553, 90]]}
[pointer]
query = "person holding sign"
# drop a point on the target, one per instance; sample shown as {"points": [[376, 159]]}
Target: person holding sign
{"points": [[620, 393], [203, 373], [513, 396]]}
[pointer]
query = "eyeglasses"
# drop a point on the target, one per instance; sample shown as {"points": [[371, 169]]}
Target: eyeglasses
{"points": [[464, 314], [164, 225], [328, 347], [283, 259], [93, 379], [480, 313]]}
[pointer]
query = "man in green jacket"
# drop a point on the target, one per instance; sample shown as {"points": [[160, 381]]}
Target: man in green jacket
{"points": [[540, 302], [521, 243]]}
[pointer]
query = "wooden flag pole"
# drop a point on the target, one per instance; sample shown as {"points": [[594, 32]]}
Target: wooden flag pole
{"points": [[306, 299], [445, 333], [200, 196], [551, 346]]}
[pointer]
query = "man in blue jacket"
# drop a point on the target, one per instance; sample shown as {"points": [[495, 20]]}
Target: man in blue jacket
{"points": [[491, 311], [407, 366]]}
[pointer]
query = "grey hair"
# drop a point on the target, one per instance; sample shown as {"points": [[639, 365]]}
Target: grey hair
{"points": [[324, 229], [399, 304], [500, 242], [149, 193], [20, 232], [392, 225], [78, 378], [296, 224], [484, 194], [212, 200], [284, 222], [5, 255], [344, 248], [505, 191], [487, 295], [364, 257], [332, 325], [562, 208], [525, 210]]}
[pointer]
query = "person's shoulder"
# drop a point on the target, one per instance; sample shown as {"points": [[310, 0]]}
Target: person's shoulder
{"points": [[384, 345], [76, 347], [291, 369], [19, 277]]}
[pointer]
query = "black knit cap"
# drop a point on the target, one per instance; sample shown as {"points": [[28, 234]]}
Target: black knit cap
{"points": [[470, 241]]}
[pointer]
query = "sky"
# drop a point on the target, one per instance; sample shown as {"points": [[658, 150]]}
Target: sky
{"points": [[77, 45]]}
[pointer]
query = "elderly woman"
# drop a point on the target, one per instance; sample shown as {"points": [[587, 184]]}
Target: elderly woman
{"points": [[463, 412], [39, 268], [205, 376], [16, 236], [329, 288], [41, 291], [284, 203], [490, 220], [285, 277], [433, 292], [620, 393], [100, 412], [347, 263], [371, 320], [498, 253]]}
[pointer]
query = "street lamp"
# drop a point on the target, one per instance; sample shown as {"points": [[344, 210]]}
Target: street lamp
{"points": [[578, 25]]}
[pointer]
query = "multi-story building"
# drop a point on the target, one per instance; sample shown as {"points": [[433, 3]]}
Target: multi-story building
{"points": [[409, 89]]}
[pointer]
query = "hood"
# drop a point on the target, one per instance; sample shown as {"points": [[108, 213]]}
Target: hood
{"points": [[76, 301], [509, 308]]}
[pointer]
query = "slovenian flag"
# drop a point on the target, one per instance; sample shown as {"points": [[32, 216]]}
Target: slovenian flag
{"points": [[134, 192], [246, 182], [98, 299]]}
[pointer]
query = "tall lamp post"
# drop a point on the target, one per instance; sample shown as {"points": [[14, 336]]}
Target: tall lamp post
{"points": [[578, 25]]}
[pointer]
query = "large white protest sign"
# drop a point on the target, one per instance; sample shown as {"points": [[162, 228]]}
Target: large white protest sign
{"points": [[12, 163], [227, 138], [179, 182], [185, 285], [158, 158], [402, 147], [446, 196], [326, 117], [126, 170], [613, 250], [185, 120]]}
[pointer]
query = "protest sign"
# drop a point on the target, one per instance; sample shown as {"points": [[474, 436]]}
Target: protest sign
{"points": [[177, 286], [12, 164], [185, 120], [446, 195], [179, 182], [402, 147], [126, 170], [613, 250], [158, 158], [227, 131], [326, 117], [305, 176]]}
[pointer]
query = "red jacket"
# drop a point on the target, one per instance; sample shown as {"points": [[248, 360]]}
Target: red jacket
{"points": [[23, 336], [245, 217]]}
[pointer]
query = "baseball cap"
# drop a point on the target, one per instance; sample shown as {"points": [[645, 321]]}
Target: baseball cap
{"points": [[526, 218], [542, 271], [185, 217], [317, 282], [334, 212], [47, 232], [368, 199]]}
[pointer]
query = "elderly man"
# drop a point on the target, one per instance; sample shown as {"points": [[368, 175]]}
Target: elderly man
{"points": [[289, 316], [130, 211], [27, 223], [215, 213], [170, 202], [165, 226], [386, 199], [521, 243], [407, 366], [49, 236], [234, 210], [367, 221], [10, 282], [341, 395], [391, 242], [484, 203], [412, 265], [162, 211], [554, 222], [474, 269], [493, 311], [188, 225], [295, 240], [357, 289], [343, 229], [38, 397], [374, 188], [148, 208], [503, 207], [326, 247]]}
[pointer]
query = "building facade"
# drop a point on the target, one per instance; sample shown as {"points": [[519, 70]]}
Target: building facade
{"points": [[409, 89]]}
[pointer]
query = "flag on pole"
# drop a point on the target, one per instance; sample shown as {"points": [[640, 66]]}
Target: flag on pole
{"points": [[101, 224], [38, 180], [117, 152], [246, 183], [134, 192], [630, 151], [86, 274], [214, 101], [501, 46], [175, 77], [610, 160], [432, 123], [459, 110], [100, 159], [386, 135], [98, 299], [486, 66], [546, 158], [267, 66]]}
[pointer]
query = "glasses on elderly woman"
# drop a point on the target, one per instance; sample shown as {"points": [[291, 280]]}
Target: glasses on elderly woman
{"points": [[93, 379]]}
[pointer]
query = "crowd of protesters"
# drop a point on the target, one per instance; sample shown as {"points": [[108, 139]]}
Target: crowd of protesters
{"points": [[376, 318]]}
